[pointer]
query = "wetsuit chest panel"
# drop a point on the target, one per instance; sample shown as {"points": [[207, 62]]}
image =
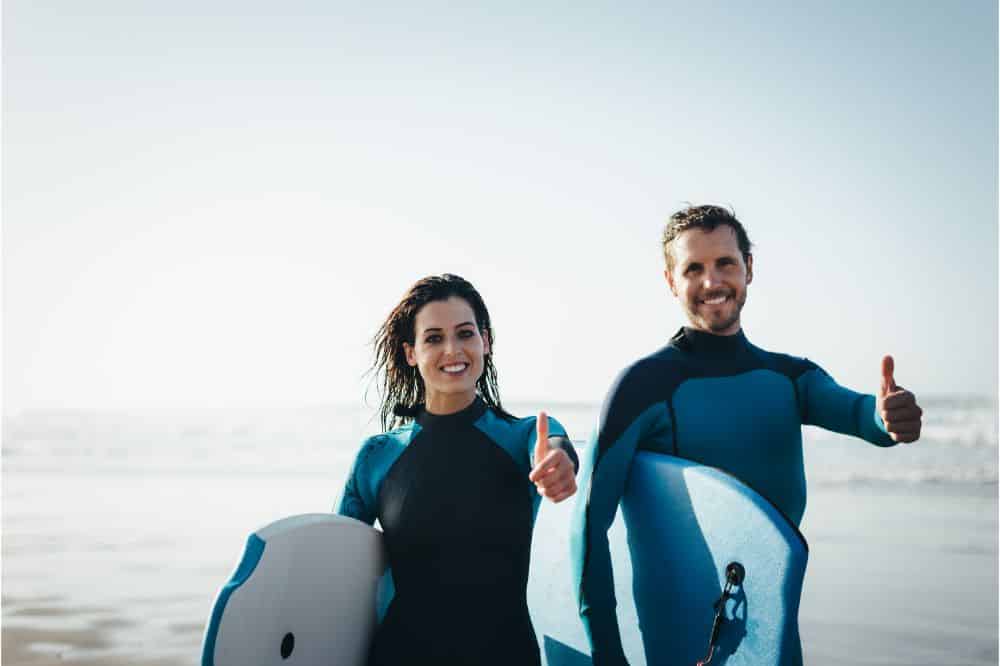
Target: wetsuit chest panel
{"points": [[747, 424], [454, 504]]}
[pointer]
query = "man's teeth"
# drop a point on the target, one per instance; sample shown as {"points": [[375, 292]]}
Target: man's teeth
{"points": [[715, 301], [458, 367]]}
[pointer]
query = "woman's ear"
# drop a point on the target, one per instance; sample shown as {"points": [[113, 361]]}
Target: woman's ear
{"points": [[411, 357]]}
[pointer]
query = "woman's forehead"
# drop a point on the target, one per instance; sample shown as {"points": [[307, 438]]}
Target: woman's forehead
{"points": [[445, 314]]}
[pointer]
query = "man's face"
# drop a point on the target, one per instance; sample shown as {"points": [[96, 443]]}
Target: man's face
{"points": [[710, 278]]}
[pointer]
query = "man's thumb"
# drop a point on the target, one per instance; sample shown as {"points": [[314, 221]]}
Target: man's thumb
{"points": [[888, 383]]}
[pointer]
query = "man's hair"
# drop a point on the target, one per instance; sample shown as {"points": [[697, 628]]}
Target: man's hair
{"points": [[706, 218]]}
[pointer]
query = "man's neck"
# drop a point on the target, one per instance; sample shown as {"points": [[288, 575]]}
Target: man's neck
{"points": [[736, 329]]}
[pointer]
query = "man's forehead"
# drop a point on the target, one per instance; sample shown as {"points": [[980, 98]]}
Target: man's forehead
{"points": [[696, 242]]}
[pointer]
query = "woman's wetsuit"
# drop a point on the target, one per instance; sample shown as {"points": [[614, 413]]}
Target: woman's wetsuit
{"points": [[457, 509]]}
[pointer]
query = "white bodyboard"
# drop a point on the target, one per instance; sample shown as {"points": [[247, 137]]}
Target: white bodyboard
{"points": [[304, 593]]}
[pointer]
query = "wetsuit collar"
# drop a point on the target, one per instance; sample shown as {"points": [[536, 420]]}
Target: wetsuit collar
{"points": [[466, 416], [705, 344]]}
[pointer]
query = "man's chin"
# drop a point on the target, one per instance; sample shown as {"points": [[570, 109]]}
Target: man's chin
{"points": [[723, 327], [714, 325]]}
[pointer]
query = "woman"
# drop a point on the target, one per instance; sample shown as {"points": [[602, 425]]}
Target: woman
{"points": [[455, 484]]}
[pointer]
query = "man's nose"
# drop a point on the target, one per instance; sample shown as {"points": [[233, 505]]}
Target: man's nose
{"points": [[712, 279]]}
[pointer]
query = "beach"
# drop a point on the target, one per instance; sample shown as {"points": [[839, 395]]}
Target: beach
{"points": [[119, 529]]}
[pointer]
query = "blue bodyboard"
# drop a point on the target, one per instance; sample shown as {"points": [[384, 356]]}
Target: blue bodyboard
{"points": [[686, 524]]}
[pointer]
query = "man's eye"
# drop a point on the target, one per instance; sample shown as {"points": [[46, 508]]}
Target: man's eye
{"points": [[692, 269]]}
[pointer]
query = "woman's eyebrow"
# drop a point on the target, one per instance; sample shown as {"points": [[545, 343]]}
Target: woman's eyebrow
{"points": [[439, 329]]}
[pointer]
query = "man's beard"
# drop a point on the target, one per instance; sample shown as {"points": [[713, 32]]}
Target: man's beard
{"points": [[720, 325]]}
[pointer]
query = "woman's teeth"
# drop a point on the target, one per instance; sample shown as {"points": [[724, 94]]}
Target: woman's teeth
{"points": [[458, 367]]}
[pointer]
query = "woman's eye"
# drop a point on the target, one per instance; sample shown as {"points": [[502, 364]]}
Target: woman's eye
{"points": [[432, 339], [465, 333]]}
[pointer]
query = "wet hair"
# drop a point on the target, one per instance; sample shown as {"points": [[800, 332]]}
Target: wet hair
{"points": [[399, 384], [706, 218]]}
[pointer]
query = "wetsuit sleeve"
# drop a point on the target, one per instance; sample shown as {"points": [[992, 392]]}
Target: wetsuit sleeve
{"points": [[626, 425], [358, 498], [828, 405]]}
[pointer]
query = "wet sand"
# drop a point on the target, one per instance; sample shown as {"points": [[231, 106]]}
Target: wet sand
{"points": [[24, 645]]}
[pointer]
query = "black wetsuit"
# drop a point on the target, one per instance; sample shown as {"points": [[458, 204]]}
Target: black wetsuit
{"points": [[457, 509]]}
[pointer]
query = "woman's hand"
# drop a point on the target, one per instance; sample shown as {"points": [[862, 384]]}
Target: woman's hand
{"points": [[553, 475]]}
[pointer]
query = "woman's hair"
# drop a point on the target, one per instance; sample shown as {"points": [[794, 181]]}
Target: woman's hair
{"points": [[399, 384]]}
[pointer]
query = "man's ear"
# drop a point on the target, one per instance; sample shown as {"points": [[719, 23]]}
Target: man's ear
{"points": [[670, 280], [411, 357], [749, 268]]}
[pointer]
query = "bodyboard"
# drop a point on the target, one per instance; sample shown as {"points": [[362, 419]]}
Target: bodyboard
{"points": [[685, 524], [304, 592]]}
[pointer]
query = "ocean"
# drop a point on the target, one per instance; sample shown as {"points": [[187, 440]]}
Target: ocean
{"points": [[120, 526]]}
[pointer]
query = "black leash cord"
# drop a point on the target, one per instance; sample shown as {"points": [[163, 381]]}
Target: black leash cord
{"points": [[735, 573]]}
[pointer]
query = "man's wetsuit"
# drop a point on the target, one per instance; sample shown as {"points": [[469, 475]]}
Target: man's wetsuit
{"points": [[717, 400], [457, 509]]}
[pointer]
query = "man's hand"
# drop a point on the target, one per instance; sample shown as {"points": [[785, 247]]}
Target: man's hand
{"points": [[553, 474], [897, 407]]}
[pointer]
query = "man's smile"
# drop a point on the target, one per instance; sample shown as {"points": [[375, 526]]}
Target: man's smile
{"points": [[718, 299]]}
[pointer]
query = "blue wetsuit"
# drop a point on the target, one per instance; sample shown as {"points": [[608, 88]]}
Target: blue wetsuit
{"points": [[717, 400], [456, 507]]}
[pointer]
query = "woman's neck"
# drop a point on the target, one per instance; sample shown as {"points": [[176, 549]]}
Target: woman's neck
{"points": [[448, 403]]}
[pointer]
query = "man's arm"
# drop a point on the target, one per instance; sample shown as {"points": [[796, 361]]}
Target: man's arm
{"points": [[606, 462], [891, 416]]}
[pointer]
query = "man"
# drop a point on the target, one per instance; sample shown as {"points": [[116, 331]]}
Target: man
{"points": [[712, 397]]}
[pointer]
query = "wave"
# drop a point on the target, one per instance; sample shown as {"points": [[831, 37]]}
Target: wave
{"points": [[982, 476]]}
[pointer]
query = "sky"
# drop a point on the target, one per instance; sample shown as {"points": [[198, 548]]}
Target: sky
{"points": [[217, 203]]}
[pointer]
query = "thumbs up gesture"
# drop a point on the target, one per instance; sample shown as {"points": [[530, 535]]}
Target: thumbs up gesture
{"points": [[553, 473], [897, 407]]}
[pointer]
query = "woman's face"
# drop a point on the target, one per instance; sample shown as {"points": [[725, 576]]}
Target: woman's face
{"points": [[448, 351]]}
